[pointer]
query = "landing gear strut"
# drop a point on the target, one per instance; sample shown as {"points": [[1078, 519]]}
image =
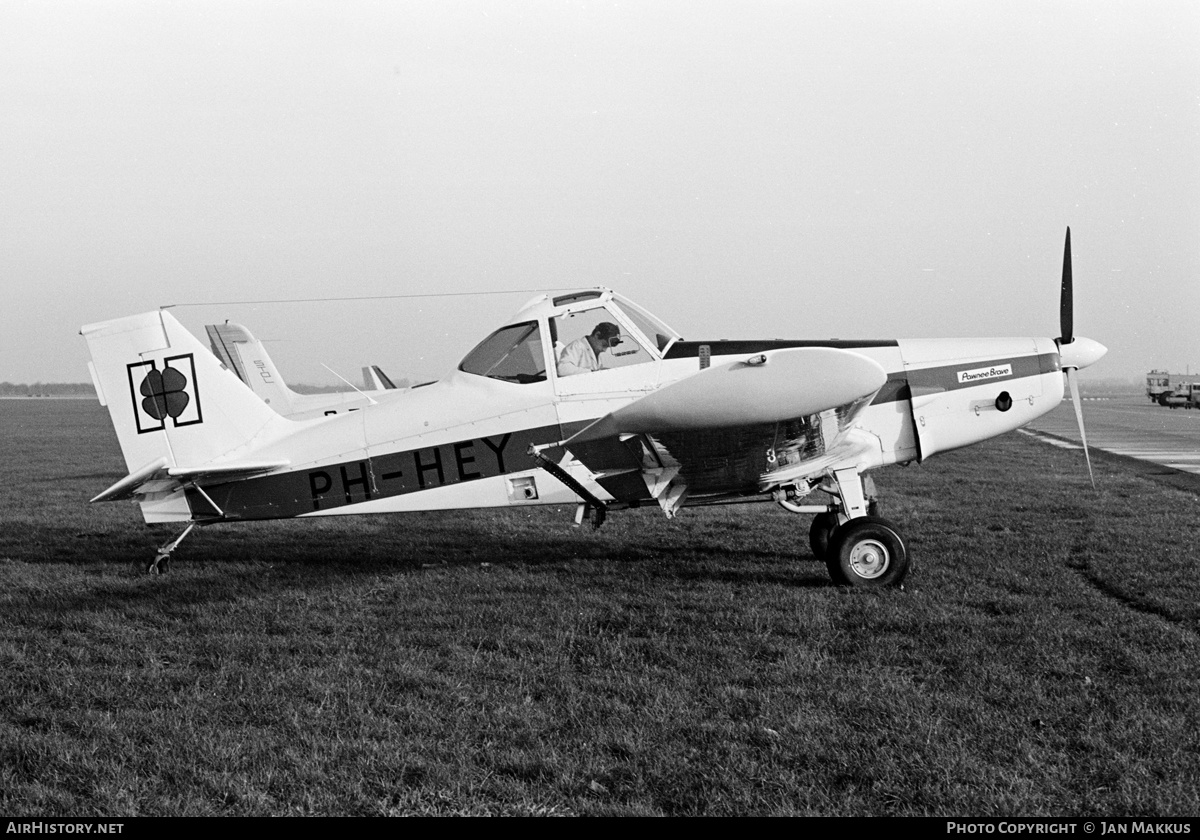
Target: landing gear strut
{"points": [[864, 550], [859, 547], [161, 563]]}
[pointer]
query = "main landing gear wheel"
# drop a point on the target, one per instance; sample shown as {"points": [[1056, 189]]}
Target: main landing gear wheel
{"points": [[867, 551], [822, 528]]}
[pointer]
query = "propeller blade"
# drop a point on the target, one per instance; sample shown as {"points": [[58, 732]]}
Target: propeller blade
{"points": [[1074, 383], [1066, 305]]}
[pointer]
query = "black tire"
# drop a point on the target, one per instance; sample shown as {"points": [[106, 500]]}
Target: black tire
{"points": [[867, 551], [823, 526]]}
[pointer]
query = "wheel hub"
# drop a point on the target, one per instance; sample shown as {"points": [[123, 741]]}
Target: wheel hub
{"points": [[869, 558]]}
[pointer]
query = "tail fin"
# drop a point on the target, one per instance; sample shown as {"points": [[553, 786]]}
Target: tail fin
{"points": [[171, 401], [376, 380], [237, 347], [246, 356]]}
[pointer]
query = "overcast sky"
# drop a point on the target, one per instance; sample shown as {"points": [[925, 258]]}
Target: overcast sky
{"points": [[742, 169]]}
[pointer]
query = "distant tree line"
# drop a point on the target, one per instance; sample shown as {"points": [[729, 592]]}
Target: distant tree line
{"points": [[85, 389], [48, 389]]}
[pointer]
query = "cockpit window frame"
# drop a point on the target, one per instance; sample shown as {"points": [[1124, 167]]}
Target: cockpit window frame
{"points": [[530, 329], [636, 316], [578, 297]]}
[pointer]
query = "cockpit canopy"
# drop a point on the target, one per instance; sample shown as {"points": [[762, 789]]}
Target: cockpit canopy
{"points": [[577, 333]]}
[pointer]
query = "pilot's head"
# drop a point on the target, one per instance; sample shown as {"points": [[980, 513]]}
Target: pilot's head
{"points": [[606, 335]]}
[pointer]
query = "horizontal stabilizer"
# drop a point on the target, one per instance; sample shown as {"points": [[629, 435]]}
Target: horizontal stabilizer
{"points": [[129, 485], [226, 472], [766, 388], [157, 477]]}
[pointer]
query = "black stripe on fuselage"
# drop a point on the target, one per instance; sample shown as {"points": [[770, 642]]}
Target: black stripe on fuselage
{"points": [[727, 347], [321, 488], [942, 378], [983, 372]]}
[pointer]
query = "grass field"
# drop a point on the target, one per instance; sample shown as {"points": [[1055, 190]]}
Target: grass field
{"points": [[1043, 658]]}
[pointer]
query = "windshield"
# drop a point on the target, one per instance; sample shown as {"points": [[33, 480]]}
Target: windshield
{"points": [[653, 329]]}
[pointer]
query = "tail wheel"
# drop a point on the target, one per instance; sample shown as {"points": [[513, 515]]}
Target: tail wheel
{"points": [[867, 551]]}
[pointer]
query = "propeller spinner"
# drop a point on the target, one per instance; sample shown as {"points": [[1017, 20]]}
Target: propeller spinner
{"points": [[1075, 353]]}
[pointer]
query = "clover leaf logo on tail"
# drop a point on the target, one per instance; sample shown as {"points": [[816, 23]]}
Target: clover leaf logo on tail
{"points": [[172, 392], [164, 393]]}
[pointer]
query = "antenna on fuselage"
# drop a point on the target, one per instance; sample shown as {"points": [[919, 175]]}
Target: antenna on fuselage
{"points": [[361, 393]]}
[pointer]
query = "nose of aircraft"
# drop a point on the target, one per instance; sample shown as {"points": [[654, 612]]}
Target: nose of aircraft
{"points": [[1081, 352]]}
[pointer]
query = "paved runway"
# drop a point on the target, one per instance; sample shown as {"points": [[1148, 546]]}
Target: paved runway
{"points": [[1131, 426]]}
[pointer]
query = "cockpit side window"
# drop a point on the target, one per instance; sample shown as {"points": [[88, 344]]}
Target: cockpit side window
{"points": [[510, 354], [593, 340]]}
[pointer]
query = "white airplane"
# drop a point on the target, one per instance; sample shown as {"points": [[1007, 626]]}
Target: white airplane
{"points": [[580, 398], [237, 348]]}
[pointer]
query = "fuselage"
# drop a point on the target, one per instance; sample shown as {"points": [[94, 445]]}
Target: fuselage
{"points": [[465, 441]]}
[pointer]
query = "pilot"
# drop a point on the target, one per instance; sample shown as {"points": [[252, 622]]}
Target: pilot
{"points": [[583, 354]]}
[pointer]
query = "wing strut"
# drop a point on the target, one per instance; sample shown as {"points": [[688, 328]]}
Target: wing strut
{"points": [[590, 503]]}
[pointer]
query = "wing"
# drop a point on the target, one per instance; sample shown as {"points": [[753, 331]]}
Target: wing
{"points": [[737, 429]]}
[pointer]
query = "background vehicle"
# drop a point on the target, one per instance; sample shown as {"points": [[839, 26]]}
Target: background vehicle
{"points": [[1185, 396], [1158, 382]]}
